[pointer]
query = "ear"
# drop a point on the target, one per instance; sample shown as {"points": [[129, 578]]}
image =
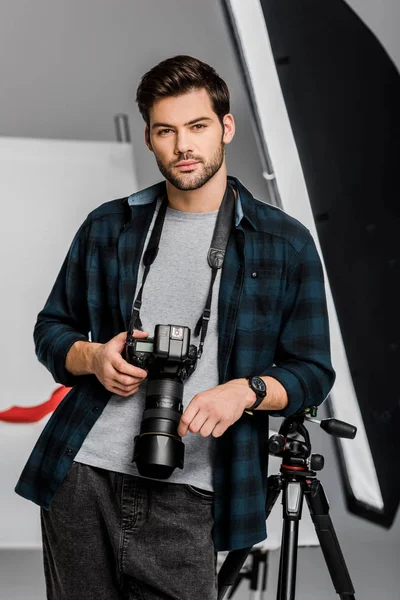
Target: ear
{"points": [[229, 128], [147, 138]]}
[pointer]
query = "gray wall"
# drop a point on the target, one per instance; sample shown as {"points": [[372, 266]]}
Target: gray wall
{"points": [[68, 67], [383, 18]]}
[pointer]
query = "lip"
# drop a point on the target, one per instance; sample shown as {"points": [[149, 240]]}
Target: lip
{"points": [[185, 166]]}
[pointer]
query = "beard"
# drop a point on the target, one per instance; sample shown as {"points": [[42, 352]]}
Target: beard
{"points": [[193, 180]]}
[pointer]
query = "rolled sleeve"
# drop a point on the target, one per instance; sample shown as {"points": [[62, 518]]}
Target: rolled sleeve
{"points": [[64, 318], [303, 359], [59, 356], [294, 389]]}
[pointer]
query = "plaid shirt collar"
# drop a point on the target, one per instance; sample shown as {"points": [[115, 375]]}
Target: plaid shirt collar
{"points": [[245, 205]]}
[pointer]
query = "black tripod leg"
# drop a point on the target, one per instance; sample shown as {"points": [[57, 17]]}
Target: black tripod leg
{"points": [[319, 510], [292, 506], [230, 570], [229, 573], [274, 487], [235, 586]]}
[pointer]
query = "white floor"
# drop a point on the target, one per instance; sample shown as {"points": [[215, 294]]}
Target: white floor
{"points": [[374, 569]]}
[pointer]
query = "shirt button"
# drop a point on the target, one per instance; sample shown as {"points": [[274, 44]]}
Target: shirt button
{"points": [[69, 452], [254, 274], [95, 409]]}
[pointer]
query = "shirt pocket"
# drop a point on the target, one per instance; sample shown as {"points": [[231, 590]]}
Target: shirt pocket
{"points": [[261, 296]]}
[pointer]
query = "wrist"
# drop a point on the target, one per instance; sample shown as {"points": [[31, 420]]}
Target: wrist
{"points": [[79, 360], [91, 350], [249, 396], [259, 388]]}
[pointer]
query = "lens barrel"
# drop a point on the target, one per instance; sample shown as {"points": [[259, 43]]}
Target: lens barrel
{"points": [[158, 448]]}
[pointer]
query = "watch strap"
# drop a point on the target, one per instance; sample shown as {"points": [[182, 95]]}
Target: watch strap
{"points": [[259, 396]]}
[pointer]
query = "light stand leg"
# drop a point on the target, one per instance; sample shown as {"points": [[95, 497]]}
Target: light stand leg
{"points": [[264, 576], [259, 575]]}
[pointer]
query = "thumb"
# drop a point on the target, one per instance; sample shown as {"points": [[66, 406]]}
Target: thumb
{"points": [[140, 334], [120, 339]]}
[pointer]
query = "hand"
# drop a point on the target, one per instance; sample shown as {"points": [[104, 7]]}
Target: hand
{"points": [[213, 411], [113, 371]]}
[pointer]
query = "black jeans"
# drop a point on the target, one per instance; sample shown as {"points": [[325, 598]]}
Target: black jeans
{"points": [[109, 536]]}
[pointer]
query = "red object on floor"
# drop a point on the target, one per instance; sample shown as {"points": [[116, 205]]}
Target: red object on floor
{"points": [[32, 414]]}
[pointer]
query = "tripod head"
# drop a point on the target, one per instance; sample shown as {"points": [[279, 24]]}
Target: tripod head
{"points": [[296, 454]]}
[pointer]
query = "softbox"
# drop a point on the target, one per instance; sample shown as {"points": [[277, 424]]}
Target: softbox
{"points": [[325, 100]]}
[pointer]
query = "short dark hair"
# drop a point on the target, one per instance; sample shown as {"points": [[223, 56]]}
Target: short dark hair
{"points": [[179, 75]]}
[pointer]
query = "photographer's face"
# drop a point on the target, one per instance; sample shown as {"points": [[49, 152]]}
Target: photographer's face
{"points": [[185, 129]]}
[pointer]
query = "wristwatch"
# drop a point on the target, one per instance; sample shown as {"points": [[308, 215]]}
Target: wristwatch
{"points": [[259, 388]]}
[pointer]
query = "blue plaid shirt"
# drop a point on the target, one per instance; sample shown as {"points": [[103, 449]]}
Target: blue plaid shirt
{"points": [[272, 320]]}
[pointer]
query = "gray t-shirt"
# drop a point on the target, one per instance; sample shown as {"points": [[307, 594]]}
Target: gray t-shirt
{"points": [[175, 293]]}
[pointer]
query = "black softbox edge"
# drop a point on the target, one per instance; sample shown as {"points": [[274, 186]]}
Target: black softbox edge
{"points": [[355, 506]]}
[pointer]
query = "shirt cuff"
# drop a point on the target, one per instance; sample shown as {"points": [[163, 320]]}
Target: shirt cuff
{"points": [[294, 388], [60, 351]]}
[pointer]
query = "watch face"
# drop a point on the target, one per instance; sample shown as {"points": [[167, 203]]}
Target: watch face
{"points": [[259, 384]]}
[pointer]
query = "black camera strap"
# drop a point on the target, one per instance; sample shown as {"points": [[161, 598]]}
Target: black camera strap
{"points": [[215, 258]]}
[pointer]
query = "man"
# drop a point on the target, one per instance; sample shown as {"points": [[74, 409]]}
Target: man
{"points": [[109, 532]]}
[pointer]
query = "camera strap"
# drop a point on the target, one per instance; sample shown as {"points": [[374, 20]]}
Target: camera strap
{"points": [[215, 258]]}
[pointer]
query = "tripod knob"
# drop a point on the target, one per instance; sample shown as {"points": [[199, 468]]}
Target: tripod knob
{"points": [[276, 443], [317, 462]]}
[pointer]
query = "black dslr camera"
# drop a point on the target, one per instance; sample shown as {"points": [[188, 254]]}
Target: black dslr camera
{"points": [[169, 359]]}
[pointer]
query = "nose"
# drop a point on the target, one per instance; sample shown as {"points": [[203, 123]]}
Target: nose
{"points": [[182, 143]]}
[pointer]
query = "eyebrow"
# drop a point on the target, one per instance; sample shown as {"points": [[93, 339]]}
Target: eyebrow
{"points": [[185, 124]]}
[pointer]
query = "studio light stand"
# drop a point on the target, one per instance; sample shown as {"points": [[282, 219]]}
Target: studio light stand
{"points": [[296, 480]]}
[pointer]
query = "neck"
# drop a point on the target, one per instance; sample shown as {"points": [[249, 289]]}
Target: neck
{"points": [[208, 198]]}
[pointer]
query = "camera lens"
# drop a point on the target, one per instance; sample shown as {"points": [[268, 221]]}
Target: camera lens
{"points": [[158, 448]]}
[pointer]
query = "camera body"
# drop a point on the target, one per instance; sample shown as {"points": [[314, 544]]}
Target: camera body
{"points": [[168, 354], [169, 359]]}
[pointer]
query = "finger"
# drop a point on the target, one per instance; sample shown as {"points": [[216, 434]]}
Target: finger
{"points": [[186, 419], [123, 385], [124, 368], [219, 429], [115, 389], [208, 427], [124, 379], [118, 342], [124, 392], [198, 422], [120, 336], [137, 333]]}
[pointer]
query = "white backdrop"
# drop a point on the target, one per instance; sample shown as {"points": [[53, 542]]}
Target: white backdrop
{"points": [[47, 188]]}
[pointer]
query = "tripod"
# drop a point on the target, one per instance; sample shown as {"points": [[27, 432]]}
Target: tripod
{"points": [[297, 479]]}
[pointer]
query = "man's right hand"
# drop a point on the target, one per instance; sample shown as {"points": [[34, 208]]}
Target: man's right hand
{"points": [[112, 370]]}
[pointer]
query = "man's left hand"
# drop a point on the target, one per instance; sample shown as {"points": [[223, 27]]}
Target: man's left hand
{"points": [[211, 412]]}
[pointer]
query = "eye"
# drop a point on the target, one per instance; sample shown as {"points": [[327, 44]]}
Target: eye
{"points": [[199, 126], [163, 131]]}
